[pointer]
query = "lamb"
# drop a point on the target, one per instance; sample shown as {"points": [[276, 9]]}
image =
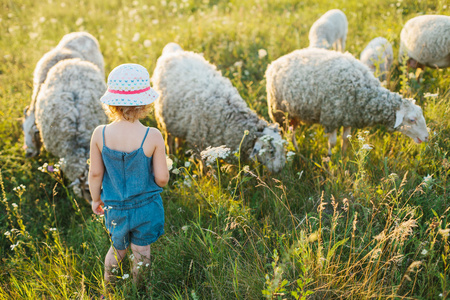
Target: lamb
{"points": [[378, 56], [330, 30], [201, 106], [73, 45], [335, 89], [67, 112], [425, 40]]}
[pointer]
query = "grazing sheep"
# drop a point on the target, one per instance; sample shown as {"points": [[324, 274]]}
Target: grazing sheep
{"points": [[426, 42], [201, 106], [67, 112], [335, 89], [330, 30], [73, 45], [378, 56]]}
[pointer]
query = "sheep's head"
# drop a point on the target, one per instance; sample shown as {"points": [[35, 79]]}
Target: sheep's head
{"points": [[32, 143], [410, 121], [269, 149]]}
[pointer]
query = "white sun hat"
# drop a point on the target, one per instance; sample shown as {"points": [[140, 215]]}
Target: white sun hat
{"points": [[129, 85]]}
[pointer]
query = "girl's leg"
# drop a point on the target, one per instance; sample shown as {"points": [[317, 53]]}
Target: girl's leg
{"points": [[112, 259], [141, 258]]}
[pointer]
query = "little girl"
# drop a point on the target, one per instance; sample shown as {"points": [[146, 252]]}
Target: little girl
{"points": [[128, 168]]}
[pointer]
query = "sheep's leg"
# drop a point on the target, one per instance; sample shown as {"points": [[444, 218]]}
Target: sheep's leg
{"points": [[346, 132], [332, 139]]}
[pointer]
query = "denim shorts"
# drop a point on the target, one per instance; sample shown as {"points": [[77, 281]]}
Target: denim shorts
{"points": [[141, 223]]}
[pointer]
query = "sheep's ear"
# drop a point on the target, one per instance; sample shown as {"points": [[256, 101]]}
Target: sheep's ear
{"points": [[399, 115]]}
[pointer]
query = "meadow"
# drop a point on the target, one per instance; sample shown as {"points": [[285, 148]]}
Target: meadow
{"points": [[370, 224]]}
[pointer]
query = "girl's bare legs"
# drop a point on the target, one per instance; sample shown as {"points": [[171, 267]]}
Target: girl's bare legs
{"points": [[141, 254], [112, 259]]}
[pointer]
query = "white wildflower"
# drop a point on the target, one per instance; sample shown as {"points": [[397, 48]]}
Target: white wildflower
{"points": [[53, 229], [14, 245], [187, 164], [424, 252], [7, 233], [140, 263], [42, 19], [280, 142], [176, 171], [366, 147], [114, 270], [290, 156], [262, 53], [238, 64], [262, 151], [113, 223], [429, 95], [428, 180], [445, 232], [187, 183], [211, 154], [147, 265], [185, 227], [169, 162], [136, 37], [246, 169], [266, 138], [147, 43], [125, 276], [14, 205], [79, 21]]}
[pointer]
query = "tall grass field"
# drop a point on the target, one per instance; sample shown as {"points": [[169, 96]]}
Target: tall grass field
{"points": [[372, 223]]}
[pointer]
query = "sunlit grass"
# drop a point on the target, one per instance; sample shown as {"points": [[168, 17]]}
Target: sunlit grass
{"points": [[369, 224]]}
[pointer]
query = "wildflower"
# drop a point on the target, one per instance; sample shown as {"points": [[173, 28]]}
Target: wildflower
{"points": [[176, 171], [14, 205], [424, 252], [349, 136], [147, 265], [187, 183], [169, 163], [136, 37], [155, 21], [114, 270], [147, 43], [366, 147], [211, 154], [79, 21], [280, 142], [290, 156], [185, 227], [238, 64], [300, 174], [262, 53], [428, 180], [125, 276], [246, 132], [140, 263], [131, 256], [262, 151], [393, 175], [7, 233], [187, 164], [43, 168], [429, 95], [376, 253], [246, 169], [14, 245], [444, 232], [113, 223], [266, 138], [53, 229], [42, 19]]}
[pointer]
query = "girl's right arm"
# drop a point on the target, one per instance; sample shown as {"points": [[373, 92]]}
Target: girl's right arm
{"points": [[96, 171], [160, 169]]}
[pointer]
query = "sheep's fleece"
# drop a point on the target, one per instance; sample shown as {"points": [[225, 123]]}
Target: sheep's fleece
{"points": [[68, 110], [73, 45], [426, 41], [330, 30], [378, 53], [201, 106], [335, 89]]}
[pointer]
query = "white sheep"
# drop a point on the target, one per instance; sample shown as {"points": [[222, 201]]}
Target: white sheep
{"points": [[73, 45], [199, 105], [330, 30], [67, 112], [425, 40], [378, 56], [334, 89]]}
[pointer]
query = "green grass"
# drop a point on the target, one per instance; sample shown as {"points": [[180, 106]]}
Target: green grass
{"points": [[364, 225]]}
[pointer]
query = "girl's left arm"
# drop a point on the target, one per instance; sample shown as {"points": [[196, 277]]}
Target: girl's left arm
{"points": [[96, 171]]}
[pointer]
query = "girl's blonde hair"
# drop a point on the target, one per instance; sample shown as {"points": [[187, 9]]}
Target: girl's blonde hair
{"points": [[129, 113]]}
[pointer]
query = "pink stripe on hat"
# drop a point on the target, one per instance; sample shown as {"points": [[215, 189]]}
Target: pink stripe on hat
{"points": [[128, 92]]}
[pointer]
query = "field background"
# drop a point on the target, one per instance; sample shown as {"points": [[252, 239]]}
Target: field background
{"points": [[370, 224]]}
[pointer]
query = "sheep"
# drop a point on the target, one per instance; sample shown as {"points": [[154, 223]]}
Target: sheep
{"points": [[67, 112], [335, 89], [378, 56], [330, 30], [425, 40], [73, 45], [201, 106]]}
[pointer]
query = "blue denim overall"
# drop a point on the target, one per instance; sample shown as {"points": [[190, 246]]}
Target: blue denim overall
{"points": [[133, 205]]}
